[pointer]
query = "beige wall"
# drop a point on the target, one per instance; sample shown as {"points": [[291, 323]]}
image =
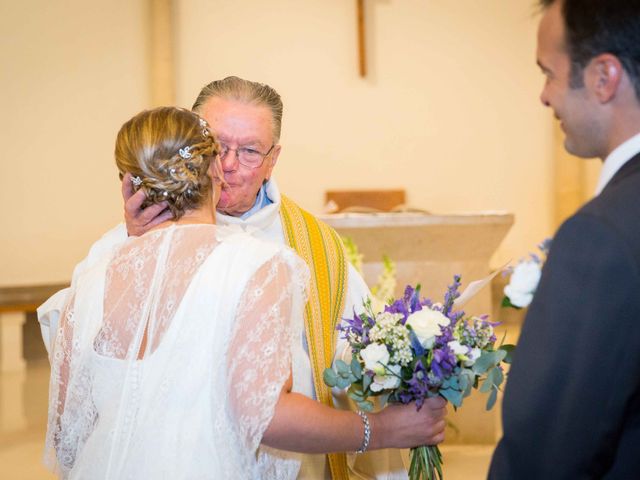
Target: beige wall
{"points": [[449, 110], [71, 73]]}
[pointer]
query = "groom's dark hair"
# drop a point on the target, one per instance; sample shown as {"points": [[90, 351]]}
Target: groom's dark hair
{"points": [[593, 27]]}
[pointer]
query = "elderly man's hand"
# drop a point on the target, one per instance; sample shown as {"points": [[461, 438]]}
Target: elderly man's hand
{"points": [[139, 220], [403, 426]]}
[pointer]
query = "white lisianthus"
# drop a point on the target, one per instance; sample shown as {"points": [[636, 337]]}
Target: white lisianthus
{"points": [[375, 356], [383, 382], [426, 324], [523, 283], [458, 349], [472, 356]]}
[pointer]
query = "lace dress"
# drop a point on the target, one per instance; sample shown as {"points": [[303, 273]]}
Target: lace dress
{"points": [[170, 358]]}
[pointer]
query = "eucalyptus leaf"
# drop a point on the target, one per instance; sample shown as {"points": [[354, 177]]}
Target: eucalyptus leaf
{"points": [[496, 376], [365, 406], [343, 383], [330, 378], [356, 368], [342, 367], [357, 397], [510, 349], [453, 396], [366, 382], [488, 360], [486, 386], [493, 396], [467, 378]]}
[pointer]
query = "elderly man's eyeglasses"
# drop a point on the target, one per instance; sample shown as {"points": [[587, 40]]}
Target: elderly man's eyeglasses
{"points": [[247, 156]]}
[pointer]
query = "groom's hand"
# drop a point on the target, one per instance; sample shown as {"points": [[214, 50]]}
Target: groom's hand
{"points": [[139, 220]]}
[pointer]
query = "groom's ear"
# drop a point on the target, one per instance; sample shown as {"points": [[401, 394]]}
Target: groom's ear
{"points": [[607, 72]]}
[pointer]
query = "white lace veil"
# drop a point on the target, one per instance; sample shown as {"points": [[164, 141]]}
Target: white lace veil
{"points": [[171, 355]]}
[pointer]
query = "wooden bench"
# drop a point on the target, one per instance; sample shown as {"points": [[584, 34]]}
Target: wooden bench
{"points": [[15, 304]]}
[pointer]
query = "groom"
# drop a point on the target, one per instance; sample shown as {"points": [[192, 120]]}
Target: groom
{"points": [[572, 403], [246, 118]]}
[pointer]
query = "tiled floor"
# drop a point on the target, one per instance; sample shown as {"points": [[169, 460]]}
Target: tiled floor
{"points": [[23, 413]]}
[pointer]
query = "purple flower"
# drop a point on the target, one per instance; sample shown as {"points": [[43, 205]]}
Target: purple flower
{"points": [[418, 386], [399, 306], [443, 362], [451, 295], [354, 325], [545, 246]]}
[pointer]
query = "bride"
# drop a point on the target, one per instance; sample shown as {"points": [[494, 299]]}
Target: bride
{"points": [[173, 354]]}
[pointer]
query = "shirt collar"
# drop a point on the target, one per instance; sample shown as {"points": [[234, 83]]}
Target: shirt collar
{"points": [[262, 217], [616, 159], [262, 200]]}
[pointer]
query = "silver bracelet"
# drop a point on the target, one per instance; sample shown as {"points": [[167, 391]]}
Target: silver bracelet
{"points": [[367, 432]]}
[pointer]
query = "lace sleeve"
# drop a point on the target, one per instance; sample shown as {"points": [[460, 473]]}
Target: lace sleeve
{"points": [[269, 318], [62, 441]]}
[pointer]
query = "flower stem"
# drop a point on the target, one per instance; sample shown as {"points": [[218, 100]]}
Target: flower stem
{"points": [[426, 463]]}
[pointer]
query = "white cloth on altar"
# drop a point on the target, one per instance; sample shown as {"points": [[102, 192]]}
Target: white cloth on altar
{"points": [[266, 224]]}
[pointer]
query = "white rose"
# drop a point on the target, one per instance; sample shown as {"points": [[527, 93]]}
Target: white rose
{"points": [[426, 324], [375, 357], [383, 382], [523, 283]]}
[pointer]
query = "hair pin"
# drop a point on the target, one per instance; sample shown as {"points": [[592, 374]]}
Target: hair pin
{"points": [[185, 152], [137, 181]]}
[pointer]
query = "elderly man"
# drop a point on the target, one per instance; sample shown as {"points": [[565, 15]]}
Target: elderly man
{"points": [[246, 118], [572, 403]]}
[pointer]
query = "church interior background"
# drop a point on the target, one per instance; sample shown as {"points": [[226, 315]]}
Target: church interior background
{"points": [[436, 98]]}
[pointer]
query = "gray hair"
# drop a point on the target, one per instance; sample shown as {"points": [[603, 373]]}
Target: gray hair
{"points": [[235, 88]]}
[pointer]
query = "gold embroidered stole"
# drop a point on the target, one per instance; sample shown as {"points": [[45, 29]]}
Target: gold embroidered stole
{"points": [[322, 249]]}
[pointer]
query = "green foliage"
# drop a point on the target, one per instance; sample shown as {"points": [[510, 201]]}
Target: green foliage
{"points": [[491, 401], [508, 358], [488, 359], [352, 253], [506, 302]]}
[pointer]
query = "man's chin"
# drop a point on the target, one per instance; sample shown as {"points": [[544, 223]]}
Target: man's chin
{"points": [[227, 208]]}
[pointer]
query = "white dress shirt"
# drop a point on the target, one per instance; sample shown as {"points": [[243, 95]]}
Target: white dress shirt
{"points": [[616, 159]]}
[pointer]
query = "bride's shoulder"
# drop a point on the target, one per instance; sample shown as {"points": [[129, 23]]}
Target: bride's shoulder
{"points": [[255, 248]]}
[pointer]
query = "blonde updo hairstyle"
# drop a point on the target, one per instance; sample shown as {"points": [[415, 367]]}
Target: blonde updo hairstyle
{"points": [[152, 146]]}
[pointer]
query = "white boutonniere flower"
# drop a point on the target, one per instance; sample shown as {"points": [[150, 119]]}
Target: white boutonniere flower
{"points": [[523, 283]]}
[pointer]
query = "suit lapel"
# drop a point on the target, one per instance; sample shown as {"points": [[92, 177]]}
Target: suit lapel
{"points": [[629, 169]]}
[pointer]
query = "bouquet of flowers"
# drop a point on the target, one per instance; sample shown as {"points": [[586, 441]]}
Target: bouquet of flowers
{"points": [[415, 349], [525, 277]]}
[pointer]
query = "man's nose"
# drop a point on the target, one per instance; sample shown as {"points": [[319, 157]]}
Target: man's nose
{"points": [[229, 161], [544, 98]]}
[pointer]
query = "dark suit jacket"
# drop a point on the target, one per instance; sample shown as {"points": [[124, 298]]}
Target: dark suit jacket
{"points": [[571, 407]]}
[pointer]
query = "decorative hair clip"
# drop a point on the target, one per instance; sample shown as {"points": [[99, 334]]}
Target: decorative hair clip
{"points": [[137, 181], [205, 127], [185, 153]]}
